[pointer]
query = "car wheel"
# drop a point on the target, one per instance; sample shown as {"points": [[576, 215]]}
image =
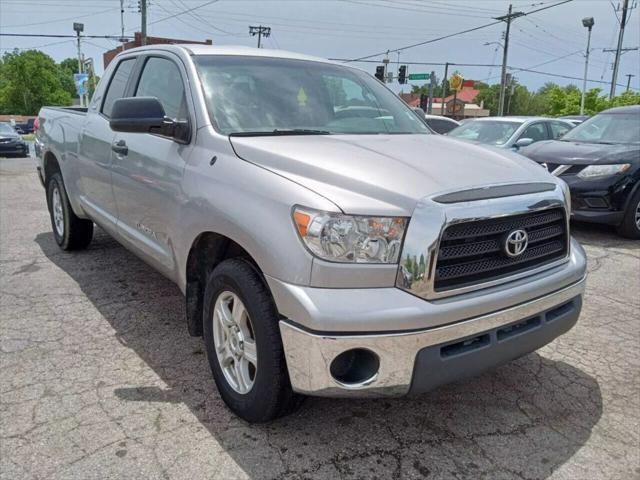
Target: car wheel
{"points": [[243, 344], [630, 226], [70, 232]]}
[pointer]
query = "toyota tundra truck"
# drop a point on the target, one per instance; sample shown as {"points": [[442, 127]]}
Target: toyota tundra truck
{"points": [[326, 241]]}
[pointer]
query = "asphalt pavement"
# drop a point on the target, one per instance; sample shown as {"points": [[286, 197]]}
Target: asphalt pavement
{"points": [[99, 379]]}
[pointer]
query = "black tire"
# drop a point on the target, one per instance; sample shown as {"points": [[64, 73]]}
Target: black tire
{"points": [[629, 228], [76, 232], [271, 395]]}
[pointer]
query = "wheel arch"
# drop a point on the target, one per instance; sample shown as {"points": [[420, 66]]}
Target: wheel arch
{"points": [[207, 250]]}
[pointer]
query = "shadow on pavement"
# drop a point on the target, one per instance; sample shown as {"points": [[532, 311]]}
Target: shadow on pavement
{"points": [[526, 418]]}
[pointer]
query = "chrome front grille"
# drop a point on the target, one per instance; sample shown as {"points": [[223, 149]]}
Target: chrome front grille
{"points": [[473, 252]]}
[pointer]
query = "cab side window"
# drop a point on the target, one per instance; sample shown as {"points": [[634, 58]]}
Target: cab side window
{"points": [[161, 79], [558, 129], [117, 85], [536, 132]]}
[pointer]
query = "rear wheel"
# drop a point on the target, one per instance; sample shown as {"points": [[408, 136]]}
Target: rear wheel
{"points": [[70, 232], [630, 226], [244, 348]]}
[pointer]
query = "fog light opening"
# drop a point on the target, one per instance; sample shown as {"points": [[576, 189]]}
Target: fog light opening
{"points": [[355, 367]]}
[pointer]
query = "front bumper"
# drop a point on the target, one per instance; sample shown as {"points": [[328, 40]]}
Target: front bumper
{"points": [[14, 149], [416, 361], [600, 200]]}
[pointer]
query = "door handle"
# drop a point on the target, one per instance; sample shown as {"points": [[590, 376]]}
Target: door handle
{"points": [[120, 147]]}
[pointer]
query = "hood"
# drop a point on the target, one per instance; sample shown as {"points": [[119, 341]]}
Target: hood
{"points": [[12, 136], [385, 174], [581, 153]]}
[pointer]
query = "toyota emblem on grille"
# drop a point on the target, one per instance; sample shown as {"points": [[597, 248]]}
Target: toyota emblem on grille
{"points": [[516, 243]]}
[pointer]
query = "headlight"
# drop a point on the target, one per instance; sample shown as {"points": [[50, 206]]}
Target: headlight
{"points": [[603, 170], [350, 239]]}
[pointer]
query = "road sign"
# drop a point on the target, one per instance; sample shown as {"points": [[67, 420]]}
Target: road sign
{"points": [[455, 82], [81, 79], [419, 76]]}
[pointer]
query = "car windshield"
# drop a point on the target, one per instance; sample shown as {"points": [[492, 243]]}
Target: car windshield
{"points": [[5, 129], [273, 96], [486, 131], [607, 128]]}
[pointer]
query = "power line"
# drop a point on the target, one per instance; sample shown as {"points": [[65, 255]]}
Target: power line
{"points": [[419, 63], [75, 17], [444, 37], [43, 35]]}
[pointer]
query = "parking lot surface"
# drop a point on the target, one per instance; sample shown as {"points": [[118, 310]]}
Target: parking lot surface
{"points": [[99, 379]]}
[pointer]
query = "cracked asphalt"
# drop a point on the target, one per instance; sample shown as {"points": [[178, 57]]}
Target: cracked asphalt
{"points": [[99, 379]]}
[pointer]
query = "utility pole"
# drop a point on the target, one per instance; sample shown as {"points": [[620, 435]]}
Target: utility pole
{"points": [[503, 77], [79, 28], [143, 21], [588, 23], [260, 31], [122, 38], [616, 63], [444, 88], [432, 86], [629, 76]]}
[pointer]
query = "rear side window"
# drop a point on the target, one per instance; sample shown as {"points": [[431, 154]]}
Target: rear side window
{"points": [[441, 126], [161, 79], [535, 132], [117, 85], [558, 129]]}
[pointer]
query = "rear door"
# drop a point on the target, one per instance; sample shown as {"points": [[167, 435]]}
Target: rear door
{"points": [[95, 154], [558, 129], [147, 179], [536, 131]]}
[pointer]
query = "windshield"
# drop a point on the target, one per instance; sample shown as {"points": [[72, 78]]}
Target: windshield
{"points": [[607, 128], [5, 129], [261, 95], [490, 132]]}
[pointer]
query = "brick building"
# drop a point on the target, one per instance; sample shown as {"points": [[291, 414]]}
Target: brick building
{"points": [[137, 42]]}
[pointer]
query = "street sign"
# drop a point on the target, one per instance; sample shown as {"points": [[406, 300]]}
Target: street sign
{"points": [[455, 82], [419, 76], [81, 79]]}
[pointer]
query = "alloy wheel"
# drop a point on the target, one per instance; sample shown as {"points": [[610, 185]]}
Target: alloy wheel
{"points": [[58, 213], [234, 342]]}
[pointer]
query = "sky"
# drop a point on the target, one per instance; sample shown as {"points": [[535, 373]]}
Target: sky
{"points": [[552, 41]]}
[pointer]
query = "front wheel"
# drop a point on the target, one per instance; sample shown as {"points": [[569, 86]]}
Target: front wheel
{"points": [[70, 231], [244, 348], [630, 226]]}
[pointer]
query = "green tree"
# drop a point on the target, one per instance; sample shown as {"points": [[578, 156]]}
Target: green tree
{"points": [[489, 96], [626, 98], [29, 80], [68, 68]]}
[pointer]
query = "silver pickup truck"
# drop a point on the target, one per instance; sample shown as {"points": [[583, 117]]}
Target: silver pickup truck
{"points": [[327, 243]]}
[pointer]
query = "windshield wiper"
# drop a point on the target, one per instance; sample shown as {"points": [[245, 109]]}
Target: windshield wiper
{"points": [[276, 132]]}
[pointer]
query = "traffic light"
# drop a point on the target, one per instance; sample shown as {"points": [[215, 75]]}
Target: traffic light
{"points": [[424, 101], [380, 72], [402, 74]]}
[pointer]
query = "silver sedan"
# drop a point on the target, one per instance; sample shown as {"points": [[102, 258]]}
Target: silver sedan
{"points": [[511, 132]]}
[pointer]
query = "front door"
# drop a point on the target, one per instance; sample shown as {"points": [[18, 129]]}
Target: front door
{"points": [[148, 170]]}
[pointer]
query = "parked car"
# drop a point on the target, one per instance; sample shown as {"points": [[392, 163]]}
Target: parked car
{"points": [[574, 119], [440, 124], [11, 142], [511, 132], [600, 161], [437, 123], [319, 254]]}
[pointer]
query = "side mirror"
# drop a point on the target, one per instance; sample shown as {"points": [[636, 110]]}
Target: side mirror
{"points": [[523, 142], [137, 115], [146, 115]]}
